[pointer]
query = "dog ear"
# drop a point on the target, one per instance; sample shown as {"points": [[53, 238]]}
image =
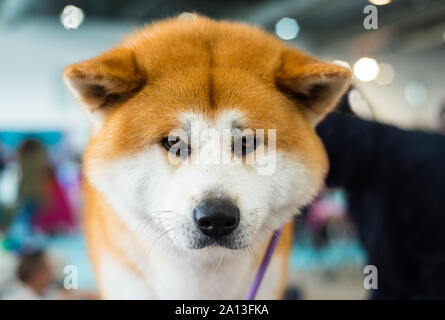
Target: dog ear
{"points": [[316, 86], [105, 81]]}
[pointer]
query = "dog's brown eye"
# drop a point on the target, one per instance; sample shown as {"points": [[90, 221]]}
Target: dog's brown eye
{"points": [[177, 146], [244, 145]]}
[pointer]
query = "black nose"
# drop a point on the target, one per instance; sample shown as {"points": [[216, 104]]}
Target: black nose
{"points": [[216, 217]]}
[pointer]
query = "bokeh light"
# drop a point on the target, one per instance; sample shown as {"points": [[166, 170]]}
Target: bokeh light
{"points": [[380, 2], [71, 17], [359, 105], [287, 28], [416, 94], [366, 69]]}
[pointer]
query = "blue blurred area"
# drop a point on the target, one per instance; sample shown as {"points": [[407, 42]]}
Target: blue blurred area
{"points": [[11, 140], [17, 232], [64, 250], [72, 250], [336, 254]]}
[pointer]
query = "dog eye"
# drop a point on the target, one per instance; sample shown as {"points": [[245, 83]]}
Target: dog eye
{"points": [[176, 146], [244, 145]]}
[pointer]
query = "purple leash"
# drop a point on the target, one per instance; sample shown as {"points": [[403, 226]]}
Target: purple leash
{"points": [[264, 264]]}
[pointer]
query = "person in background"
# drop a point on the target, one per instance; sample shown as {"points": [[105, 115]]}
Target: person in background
{"points": [[42, 206], [34, 278], [40, 191], [36, 281], [395, 181]]}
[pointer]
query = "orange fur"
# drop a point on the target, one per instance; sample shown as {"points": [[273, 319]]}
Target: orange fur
{"points": [[204, 66]]}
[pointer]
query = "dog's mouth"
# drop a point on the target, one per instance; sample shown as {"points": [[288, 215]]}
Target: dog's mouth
{"points": [[229, 242]]}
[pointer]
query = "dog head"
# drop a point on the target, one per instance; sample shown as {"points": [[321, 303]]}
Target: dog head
{"points": [[204, 130]]}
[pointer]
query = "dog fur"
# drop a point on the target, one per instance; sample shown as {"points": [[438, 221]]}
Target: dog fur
{"points": [[218, 74]]}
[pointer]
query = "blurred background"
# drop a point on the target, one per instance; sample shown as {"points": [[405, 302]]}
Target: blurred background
{"points": [[398, 68]]}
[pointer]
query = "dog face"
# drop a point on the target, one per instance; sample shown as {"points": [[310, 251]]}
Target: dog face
{"points": [[203, 130]]}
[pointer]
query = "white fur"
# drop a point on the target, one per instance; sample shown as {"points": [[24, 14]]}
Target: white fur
{"points": [[156, 199], [226, 275]]}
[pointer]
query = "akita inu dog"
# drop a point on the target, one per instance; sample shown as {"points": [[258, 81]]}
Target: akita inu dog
{"points": [[165, 218]]}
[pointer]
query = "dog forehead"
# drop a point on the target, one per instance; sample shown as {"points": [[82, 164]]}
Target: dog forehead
{"points": [[226, 119], [170, 45]]}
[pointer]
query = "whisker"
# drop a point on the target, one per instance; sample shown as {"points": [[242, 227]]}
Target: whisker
{"points": [[171, 245], [220, 260], [252, 252], [164, 233]]}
